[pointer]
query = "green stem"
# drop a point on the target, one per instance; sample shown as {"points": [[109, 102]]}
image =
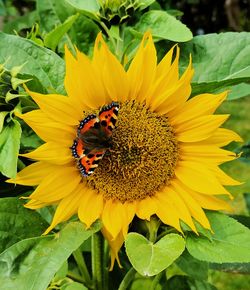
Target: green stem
{"points": [[128, 278], [105, 266], [156, 281], [82, 267], [97, 265], [153, 226], [119, 43], [105, 28], [75, 277]]}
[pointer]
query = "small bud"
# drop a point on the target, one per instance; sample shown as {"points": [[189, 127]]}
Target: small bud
{"points": [[114, 12]]}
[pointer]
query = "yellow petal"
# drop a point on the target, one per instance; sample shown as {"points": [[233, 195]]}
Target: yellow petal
{"points": [[35, 204], [191, 203], [205, 153], [67, 207], [141, 72], [204, 104], [221, 137], [58, 108], [74, 81], [49, 130], [200, 128], [90, 207], [167, 213], [167, 76], [210, 202], [198, 177], [146, 208], [33, 174], [176, 96], [112, 73], [170, 196], [166, 63], [113, 217], [223, 177], [96, 93], [52, 153], [115, 245], [57, 185]]}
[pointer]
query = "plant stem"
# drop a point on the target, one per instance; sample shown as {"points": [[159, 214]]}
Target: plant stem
{"points": [[82, 267], [152, 226], [75, 277], [128, 278], [97, 265], [156, 281], [120, 43], [105, 265], [105, 28]]}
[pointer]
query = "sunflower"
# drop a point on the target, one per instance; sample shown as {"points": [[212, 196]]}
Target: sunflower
{"points": [[163, 156]]}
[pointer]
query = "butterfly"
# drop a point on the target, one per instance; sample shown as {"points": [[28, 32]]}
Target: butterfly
{"points": [[94, 138]]}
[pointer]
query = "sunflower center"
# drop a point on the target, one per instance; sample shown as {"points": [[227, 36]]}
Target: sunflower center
{"points": [[142, 158]]}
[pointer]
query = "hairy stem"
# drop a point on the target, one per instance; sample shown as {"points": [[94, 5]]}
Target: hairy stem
{"points": [[97, 264]]}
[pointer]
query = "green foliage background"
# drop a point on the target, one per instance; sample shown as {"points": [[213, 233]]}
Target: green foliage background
{"points": [[34, 33]]}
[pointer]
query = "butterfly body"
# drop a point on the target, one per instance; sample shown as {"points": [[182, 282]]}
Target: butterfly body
{"points": [[94, 138]]}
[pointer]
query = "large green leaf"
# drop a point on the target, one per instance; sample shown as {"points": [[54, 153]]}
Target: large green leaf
{"points": [[236, 268], [89, 8], [194, 268], [82, 33], [31, 264], [150, 259], [220, 61], [43, 63], [163, 26], [9, 148], [17, 222], [52, 13], [229, 243], [52, 39], [87, 5]]}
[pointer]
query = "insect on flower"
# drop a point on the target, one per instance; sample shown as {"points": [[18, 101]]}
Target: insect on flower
{"points": [[94, 138]]}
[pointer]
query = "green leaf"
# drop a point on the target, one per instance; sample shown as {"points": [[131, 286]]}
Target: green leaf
{"points": [[87, 7], [52, 39], [43, 63], [242, 219], [178, 282], [150, 259], [62, 272], [2, 117], [193, 267], [237, 91], [31, 264], [200, 285], [144, 3], [9, 148], [83, 34], [22, 22], [220, 61], [247, 201], [17, 222], [245, 152], [229, 244], [236, 268], [74, 286], [163, 26], [29, 140], [52, 13]]}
